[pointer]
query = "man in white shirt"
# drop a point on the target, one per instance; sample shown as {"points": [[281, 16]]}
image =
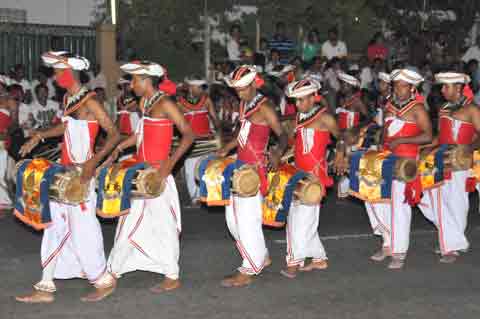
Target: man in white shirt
{"points": [[334, 47], [233, 44], [46, 112], [473, 53]]}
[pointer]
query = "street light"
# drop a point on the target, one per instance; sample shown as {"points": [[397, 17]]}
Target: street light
{"points": [[113, 10]]}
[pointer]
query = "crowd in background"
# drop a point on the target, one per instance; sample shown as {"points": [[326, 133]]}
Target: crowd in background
{"points": [[281, 60]]}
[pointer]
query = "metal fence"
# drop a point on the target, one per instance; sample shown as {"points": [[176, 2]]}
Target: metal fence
{"points": [[24, 43]]}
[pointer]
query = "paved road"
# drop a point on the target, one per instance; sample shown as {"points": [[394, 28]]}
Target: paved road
{"points": [[353, 287]]}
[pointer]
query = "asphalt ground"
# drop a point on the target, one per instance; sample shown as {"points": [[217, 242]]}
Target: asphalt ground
{"points": [[352, 286]]}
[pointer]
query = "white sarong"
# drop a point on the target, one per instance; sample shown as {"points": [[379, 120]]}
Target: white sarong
{"points": [[147, 238], [244, 221]]}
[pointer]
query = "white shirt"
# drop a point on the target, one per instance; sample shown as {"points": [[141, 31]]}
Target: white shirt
{"points": [[330, 51], [331, 78], [35, 115], [473, 52], [25, 84], [51, 88], [233, 49], [366, 78]]}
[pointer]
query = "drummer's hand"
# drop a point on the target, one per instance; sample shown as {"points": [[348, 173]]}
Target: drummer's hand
{"points": [[88, 171], [340, 163], [222, 152], [274, 160], [393, 144], [30, 145], [164, 171], [115, 154]]}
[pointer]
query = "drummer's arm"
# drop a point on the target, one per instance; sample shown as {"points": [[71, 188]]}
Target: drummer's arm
{"points": [[213, 115], [40, 136], [272, 120], [169, 109], [475, 116], [330, 123], [128, 142]]}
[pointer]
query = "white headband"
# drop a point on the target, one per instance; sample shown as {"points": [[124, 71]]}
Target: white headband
{"points": [[65, 60], [241, 76], [452, 78], [195, 81], [143, 68], [407, 75], [302, 88], [348, 79]]}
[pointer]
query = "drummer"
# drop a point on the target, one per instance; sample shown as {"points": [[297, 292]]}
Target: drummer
{"points": [[244, 215], [447, 206], [72, 247], [351, 113], [407, 126], [314, 125], [147, 238], [199, 111]]}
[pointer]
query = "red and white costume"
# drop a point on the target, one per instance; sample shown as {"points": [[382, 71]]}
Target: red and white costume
{"points": [[392, 220], [244, 215], [197, 116], [447, 206], [72, 247], [147, 238], [303, 240]]}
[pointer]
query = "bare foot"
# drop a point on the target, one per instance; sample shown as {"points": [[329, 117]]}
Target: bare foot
{"points": [[99, 294], [290, 272], [449, 258], [268, 262], [381, 254], [396, 263], [37, 297], [167, 284], [315, 265], [237, 280]]}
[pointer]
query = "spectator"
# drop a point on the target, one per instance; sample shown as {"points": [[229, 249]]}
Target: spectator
{"points": [[376, 48], [274, 61], [282, 43], [473, 52], [44, 76], [46, 112], [310, 47], [18, 77], [474, 72], [316, 69], [334, 48], [332, 85], [261, 54], [439, 50], [233, 44]]}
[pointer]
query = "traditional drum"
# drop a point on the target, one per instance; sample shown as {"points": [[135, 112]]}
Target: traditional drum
{"points": [[219, 176], [371, 174], [285, 185], [435, 165], [120, 183], [38, 182]]}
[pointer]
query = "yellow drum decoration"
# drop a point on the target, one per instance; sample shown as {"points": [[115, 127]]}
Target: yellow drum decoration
{"points": [[371, 174], [124, 181], [219, 176], [285, 185], [38, 182]]}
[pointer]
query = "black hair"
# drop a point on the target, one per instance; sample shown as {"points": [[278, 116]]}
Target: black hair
{"points": [[40, 86]]}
